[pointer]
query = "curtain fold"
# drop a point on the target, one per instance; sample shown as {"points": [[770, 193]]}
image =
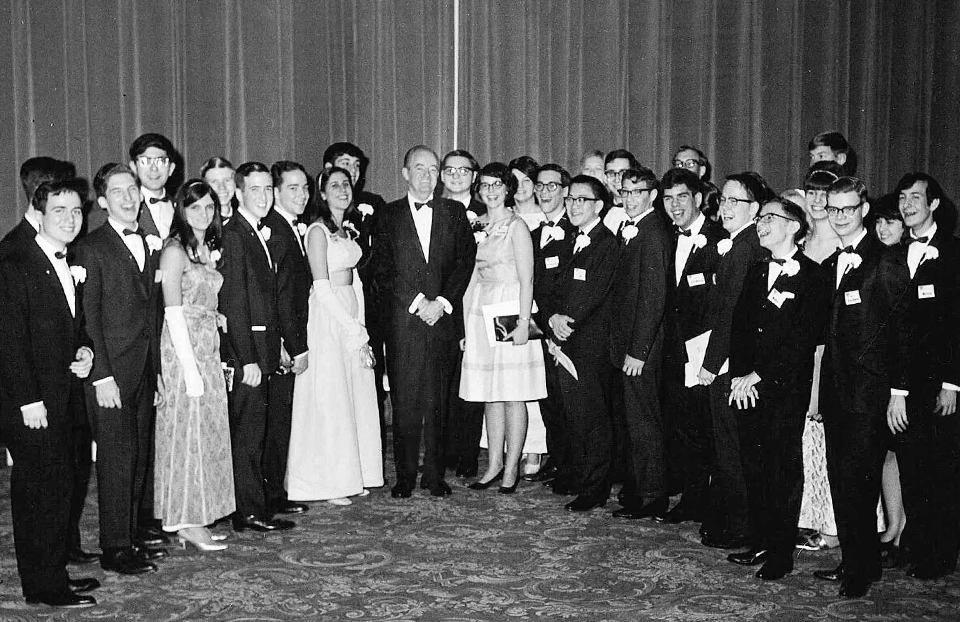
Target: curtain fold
{"points": [[747, 81]]}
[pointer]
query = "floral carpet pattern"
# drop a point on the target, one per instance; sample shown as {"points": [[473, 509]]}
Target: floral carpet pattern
{"points": [[476, 555]]}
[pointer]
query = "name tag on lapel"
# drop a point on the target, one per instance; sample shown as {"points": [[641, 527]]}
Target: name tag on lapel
{"points": [[696, 279], [776, 297], [551, 262], [258, 329], [158, 276], [579, 274], [852, 298], [926, 291]]}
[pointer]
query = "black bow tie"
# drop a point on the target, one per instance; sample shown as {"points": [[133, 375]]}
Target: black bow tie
{"points": [[847, 249], [261, 225], [777, 261], [685, 232], [60, 254], [417, 205], [922, 239], [131, 232], [153, 200]]}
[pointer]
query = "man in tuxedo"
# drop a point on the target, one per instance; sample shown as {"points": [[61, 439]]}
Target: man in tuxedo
{"points": [[687, 421], [120, 302], [33, 172], [865, 359], [290, 195], [424, 256], [46, 355], [727, 523], [693, 160], [638, 302], [577, 323], [552, 249], [248, 299], [152, 158], [614, 164], [925, 423]]}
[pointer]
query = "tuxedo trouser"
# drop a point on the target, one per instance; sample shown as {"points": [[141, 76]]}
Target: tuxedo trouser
{"points": [[248, 408], [146, 515], [374, 325], [83, 461], [551, 409], [772, 454], [40, 485], [728, 490], [420, 390], [928, 454], [465, 425], [277, 438], [124, 446], [856, 446], [642, 429], [588, 423], [690, 443]]}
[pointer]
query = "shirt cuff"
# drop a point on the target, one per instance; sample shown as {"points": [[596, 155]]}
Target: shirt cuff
{"points": [[300, 356], [950, 387], [446, 305], [416, 303], [97, 383], [899, 393], [30, 408]]}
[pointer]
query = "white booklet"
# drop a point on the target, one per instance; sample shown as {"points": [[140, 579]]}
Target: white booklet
{"points": [[498, 309], [696, 351]]}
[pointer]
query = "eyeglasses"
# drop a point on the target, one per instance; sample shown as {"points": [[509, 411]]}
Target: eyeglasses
{"points": [[636, 192], [147, 161], [733, 201], [613, 174], [457, 170], [769, 217], [578, 201], [552, 186], [484, 186], [850, 210], [689, 164]]}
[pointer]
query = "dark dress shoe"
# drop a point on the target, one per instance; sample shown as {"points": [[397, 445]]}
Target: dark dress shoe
{"points": [[854, 587], [775, 569], [150, 552], [544, 474], [64, 600], [928, 571], [150, 535], [441, 489], [561, 487], [289, 507], [478, 485], [79, 556], [830, 574], [724, 541], [748, 558], [125, 561], [585, 503], [401, 491], [84, 584], [892, 557], [657, 507], [254, 523]]}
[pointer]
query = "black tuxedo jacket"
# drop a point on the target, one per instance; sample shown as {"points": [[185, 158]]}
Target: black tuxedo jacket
{"points": [[933, 320], [294, 281], [121, 304], [18, 236], [478, 207], [401, 271], [248, 298], [581, 289], [638, 296], [548, 263], [688, 300], [778, 342], [367, 228], [867, 343], [40, 339]]}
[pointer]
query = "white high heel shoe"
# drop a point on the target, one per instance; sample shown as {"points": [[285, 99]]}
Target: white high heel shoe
{"points": [[200, 539]]}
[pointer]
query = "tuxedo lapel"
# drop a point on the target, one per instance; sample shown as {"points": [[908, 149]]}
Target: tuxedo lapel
{"points": [[51, 281], [438, 229], [146, 220], [408, 228]]}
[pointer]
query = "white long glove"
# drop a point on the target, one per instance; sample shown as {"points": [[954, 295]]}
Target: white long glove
{"points": [[355, 332], [177, 326]]}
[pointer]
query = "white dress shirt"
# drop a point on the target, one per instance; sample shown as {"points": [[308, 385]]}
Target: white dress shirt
{"points": [[685, 246], [254, 222], [162, 211], [290, 218], [917, 249]]}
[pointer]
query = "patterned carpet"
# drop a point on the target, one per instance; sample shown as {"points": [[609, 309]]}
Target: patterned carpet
{"points": [[472, 556]]}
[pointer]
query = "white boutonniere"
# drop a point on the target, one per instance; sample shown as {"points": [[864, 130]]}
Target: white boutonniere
{"points": [[79, 274], [699, 241], [724, 246], [265, 232], [215, 256], [301, 229], [365, 209], [479, 236], [471, 216], [853, 259], [930, 253], [557, 233], [154, 243], [629, 232], [351, 230], [790, 267], [582, 241]]}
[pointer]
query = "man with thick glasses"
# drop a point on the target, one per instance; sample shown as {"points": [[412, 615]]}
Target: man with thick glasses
{"points": [[694, 161], [152, 160], [864, 365], [616, 162]]}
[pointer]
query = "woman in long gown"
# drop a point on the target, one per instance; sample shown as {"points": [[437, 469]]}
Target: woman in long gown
{"points": [[335, 427], [193, 484], [507, 374]]}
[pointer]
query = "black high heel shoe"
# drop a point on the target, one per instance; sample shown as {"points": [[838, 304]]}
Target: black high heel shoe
{"points": [[509, 490], [484, 485]]}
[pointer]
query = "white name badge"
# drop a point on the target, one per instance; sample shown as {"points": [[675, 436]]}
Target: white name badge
{"points": [[696, 279], [158, 276], [926, 291], [852, 298], [579, 274], [776, 297], [551, 262]]}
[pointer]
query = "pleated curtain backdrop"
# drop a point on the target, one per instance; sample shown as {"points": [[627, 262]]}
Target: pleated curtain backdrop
{"points": [[749, 81]]}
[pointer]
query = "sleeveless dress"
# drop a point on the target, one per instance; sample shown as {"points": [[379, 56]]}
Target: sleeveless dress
{"points": [[193, 484], [335, 446], [501, 373]]}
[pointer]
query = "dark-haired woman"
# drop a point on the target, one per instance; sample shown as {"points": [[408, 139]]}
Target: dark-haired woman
{"points": [[335, 426], [194, 467]]}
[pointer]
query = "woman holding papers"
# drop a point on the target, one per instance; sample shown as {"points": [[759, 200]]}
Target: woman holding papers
{"points": [[503, 369]]}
